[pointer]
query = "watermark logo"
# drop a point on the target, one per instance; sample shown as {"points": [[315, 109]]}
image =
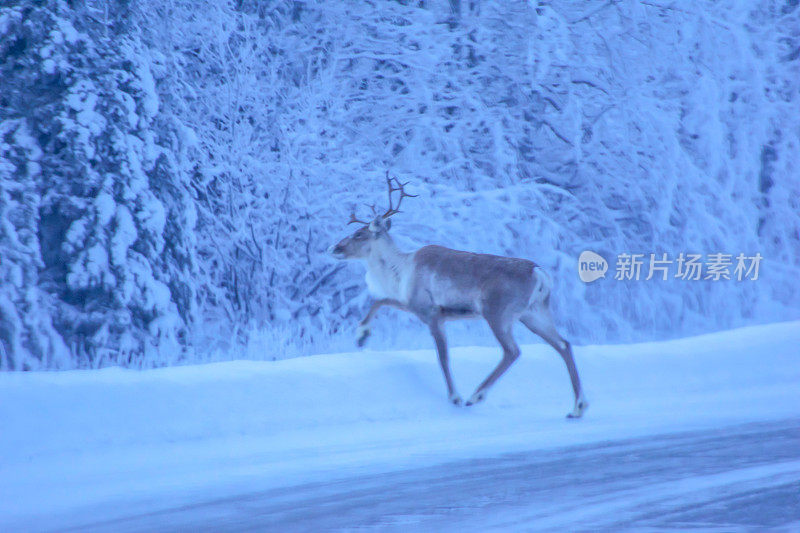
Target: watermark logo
{"points": [[591, 266], [686, 267]]}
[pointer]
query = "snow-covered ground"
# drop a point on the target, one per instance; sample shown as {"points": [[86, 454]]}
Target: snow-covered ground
{"points": [[84, 447]]}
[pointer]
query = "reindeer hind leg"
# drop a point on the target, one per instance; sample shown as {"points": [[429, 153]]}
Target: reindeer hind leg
{"points": [[539, 320]]}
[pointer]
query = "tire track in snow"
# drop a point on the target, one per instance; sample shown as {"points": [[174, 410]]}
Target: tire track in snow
{"points": [[744, 476]]}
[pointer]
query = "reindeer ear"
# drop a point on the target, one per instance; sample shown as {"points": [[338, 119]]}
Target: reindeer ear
{"points": [[379, 224]]}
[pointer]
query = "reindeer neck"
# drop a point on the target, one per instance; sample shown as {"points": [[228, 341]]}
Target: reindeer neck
{"points": [[387, 269]]}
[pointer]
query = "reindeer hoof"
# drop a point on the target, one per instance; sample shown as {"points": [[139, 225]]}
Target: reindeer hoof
{"points": [[455, 399], [362, 334], [580, 407], [476, 398]]}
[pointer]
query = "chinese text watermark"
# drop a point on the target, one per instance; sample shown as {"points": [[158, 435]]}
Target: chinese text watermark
{"points": [[688, 267]]}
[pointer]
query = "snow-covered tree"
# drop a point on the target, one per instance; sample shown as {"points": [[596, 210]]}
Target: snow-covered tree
{"points": [[172, 172], [108, 190]]}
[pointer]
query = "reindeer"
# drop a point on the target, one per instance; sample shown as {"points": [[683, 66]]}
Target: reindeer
{"points": [[438, 284]]}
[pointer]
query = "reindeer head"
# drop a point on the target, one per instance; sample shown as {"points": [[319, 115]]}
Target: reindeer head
{"points": [[360, 243]]}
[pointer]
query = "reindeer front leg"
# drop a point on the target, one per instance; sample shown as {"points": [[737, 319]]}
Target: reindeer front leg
{"points": [[363, 331], [435, 326]]}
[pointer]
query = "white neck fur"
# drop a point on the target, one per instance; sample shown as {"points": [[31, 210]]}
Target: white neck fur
{"points": [[388, 270]]}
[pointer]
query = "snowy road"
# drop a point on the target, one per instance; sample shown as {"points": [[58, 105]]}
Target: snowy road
{"points": [[744, 476], [702, 430]]}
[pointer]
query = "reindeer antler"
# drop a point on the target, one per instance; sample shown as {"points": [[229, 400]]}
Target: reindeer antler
{"points": [[354, 220], [394, 185]]}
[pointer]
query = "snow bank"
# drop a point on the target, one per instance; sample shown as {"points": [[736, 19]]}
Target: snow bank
{"points": [[99, 442]]}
